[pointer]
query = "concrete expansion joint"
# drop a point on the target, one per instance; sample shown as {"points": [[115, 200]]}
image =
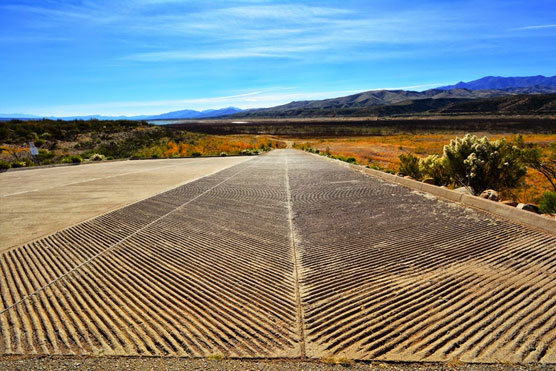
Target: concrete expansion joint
{"points": [[300, 315]]}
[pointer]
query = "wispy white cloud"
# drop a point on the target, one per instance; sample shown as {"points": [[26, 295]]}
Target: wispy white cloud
{"points": [[538, 27], [260, 52], [66, 13], [290, 31], [219, 30]]}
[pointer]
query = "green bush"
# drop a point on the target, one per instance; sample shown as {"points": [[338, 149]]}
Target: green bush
{"points": [[547, 204], [4, 165], [375, 166], [480, 164], [409, 165], [19, 164]]}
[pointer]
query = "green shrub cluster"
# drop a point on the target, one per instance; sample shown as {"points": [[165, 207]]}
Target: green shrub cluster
{"points": [[475, 163], [409, 165], [547, 204], [307, 147]]}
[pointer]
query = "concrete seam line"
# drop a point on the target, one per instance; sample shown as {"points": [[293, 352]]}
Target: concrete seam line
{"points": [[115, 244], [300, 320], [505, 211]]}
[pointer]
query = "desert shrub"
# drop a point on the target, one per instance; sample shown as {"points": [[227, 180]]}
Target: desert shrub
{"points": [[433, 167], [223, 154], [547, 204], [4, 165], [72, 159], [196, 154], [479, 164], [19, 164], [249, 152], [351, 160], [97, 157], [45, 155], [409, 165]]}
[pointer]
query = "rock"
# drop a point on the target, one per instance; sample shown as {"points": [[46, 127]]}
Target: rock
{"points": [[428, 181], [510, 203], [529, 207], [463, 190], [489, 194]]}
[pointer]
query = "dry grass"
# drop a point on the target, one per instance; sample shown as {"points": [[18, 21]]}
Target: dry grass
{"points": [[215, 357], [340, 361], [213, 145], [384, 151]]}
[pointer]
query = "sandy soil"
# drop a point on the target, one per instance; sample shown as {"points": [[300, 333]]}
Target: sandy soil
{"points": [[174, 364]]}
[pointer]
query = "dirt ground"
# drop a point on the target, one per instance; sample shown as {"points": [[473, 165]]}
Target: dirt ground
{"points": [[175, 364]]}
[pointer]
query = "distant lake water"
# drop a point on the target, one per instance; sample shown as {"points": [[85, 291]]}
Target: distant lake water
{"points": [[165, 122]]}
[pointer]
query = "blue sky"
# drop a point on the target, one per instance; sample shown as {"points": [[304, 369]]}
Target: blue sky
{"points": [[151, 56]]}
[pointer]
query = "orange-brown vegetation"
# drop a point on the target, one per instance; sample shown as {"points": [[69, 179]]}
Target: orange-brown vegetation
{"points": [[383, 151], [213, 146]]}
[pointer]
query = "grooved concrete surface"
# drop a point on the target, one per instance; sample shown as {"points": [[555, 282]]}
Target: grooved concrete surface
{"points": [[37, 202], [286, 255]]}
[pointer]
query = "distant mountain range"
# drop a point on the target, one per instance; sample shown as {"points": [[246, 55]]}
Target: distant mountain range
{"points": [[399, 102], [478, 96], [183, 114], [498, 83]]}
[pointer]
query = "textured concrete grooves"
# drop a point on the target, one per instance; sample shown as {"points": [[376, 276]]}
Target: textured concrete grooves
{"points": [[517, 215], [213, 277], [393, 275], [286, 255], [111, 247]]}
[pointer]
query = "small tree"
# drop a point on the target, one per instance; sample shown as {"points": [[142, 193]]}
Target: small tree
{"points": [[532, 156], [480, 164]]}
